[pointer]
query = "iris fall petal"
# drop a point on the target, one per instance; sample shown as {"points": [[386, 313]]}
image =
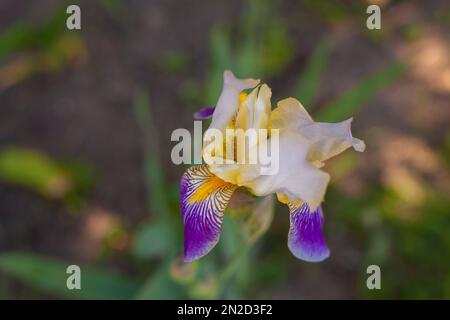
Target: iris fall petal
{"points": [[306, 240], [204, 198]]}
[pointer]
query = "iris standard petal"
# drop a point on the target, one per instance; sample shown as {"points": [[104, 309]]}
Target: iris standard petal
{"points": [[204, 113], [255, 109], [306, 240], [253, 115], [228, 102], [326, 139], [204, 198], [289, 114], [330, 139]]}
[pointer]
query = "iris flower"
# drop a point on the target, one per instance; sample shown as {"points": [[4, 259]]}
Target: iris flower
{"points": [[304, 146]]}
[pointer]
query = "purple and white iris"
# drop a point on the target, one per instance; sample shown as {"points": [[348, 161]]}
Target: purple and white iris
{"points": [[304, 146]]}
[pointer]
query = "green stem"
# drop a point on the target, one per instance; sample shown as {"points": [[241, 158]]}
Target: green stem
{"points": [[229, 270]]}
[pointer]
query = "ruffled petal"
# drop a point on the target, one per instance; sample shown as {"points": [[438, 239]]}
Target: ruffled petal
{"points": [[330, 139], [204, 198], [292, 173], [325, 139], [204, 113], [290, 115], [306, 240], [228, 102]]}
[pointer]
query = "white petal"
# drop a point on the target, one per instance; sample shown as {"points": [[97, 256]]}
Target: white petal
{"points": [[255, 109], [358, 145], [253, 115], [290, 115], [325, 139], [329, 139], [296, 177], [228, 103]]}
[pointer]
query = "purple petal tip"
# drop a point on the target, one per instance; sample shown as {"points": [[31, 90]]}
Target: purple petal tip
{"points": [[204, 113], [306, 240]]}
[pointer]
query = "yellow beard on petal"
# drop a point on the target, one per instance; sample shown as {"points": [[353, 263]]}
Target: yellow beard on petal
{"points": [[205, 190], [282, 197], [242, 97]]}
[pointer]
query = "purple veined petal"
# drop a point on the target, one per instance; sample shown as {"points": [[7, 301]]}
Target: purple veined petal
{"points": [[204, 113], [204, 198], [306, 240]]}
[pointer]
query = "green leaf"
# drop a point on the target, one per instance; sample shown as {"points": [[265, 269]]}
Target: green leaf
{"points": [[33, 170], [13, 38], [220, 51], [264, 47], [174, 62], [254, 226], [160, 286], [230, 238], [277, 50], [331, 11], [151, 240], [49, 276], [159, 191], [308, 84], [260, 219], [346, 105], [19, 36], [247, 56], [154, 173], [83, 180]]}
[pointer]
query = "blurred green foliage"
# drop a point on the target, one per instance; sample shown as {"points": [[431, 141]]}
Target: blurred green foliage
{"points": [[50, 276], [262, 47], [21, 37], [330, 11], [26, 50], [33, 170], [346, 105], [174, 62], [116, 8], [308, 84]]}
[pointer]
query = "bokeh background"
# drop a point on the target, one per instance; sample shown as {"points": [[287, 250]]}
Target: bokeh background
{"points": [[85, 124]]}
